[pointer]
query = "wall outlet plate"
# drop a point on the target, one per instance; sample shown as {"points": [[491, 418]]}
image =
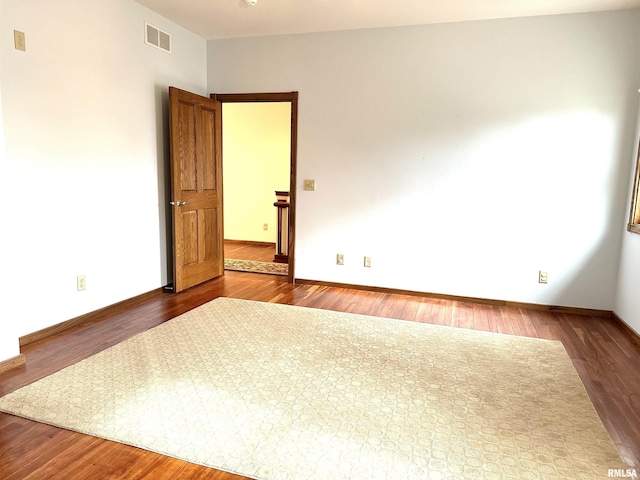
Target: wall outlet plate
{"points": [[19, 40]]}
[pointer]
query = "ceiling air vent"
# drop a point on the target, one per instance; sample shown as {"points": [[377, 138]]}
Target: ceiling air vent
{"points": [[157, 38]]}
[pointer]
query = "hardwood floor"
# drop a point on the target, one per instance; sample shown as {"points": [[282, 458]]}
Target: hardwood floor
{"points": [[249, 251], [605, 356]]}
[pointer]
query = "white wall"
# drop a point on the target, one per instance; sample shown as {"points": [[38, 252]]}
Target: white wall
{"points": [[627, 304], [84, 123], [256, 147], [462, 158], [8, 336]]}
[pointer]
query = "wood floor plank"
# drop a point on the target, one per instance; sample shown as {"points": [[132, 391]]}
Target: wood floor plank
{"points": [[523, 323], [49, 457], [424, 311], [249, 251], [481, 318], [410, 309], [442, 314], [198, 472], [465, 315], [606, 359]]}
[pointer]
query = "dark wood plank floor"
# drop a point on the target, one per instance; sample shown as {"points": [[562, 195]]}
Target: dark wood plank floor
{"points": [[605, 356]]}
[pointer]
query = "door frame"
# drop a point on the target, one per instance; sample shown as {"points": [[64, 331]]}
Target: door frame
{"points": [[291, 97]]}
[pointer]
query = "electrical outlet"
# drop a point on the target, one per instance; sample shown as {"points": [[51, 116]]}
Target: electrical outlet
{"points": [[367, 261], [543, 277], [19, 40], [81, 282], [340, 259], [265, 226]]}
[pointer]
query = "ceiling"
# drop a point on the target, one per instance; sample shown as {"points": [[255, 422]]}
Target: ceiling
{"points": [[216, 19]]}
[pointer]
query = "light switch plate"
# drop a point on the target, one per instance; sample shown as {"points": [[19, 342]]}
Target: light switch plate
{"points": [[310, 185]]}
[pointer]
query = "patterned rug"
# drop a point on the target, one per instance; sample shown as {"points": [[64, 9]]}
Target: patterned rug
{"points": [[290, 393], [253, 266]]}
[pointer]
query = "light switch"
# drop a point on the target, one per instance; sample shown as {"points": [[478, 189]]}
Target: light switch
{"points": [[310, 185]]}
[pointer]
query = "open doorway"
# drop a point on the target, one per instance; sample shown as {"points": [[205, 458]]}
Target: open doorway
{"points": [[259, 138]]}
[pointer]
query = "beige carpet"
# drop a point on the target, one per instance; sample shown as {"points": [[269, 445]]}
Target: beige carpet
{"points": [[255, 266], [280, 392]]}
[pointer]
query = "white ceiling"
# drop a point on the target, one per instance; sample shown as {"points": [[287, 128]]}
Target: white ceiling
{"points": [[215, 19]]}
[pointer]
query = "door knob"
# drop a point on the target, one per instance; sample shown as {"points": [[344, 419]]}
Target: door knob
{"points": [[177, 203]]}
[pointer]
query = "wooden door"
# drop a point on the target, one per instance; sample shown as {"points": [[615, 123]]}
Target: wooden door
{"points": [[196, 188]]}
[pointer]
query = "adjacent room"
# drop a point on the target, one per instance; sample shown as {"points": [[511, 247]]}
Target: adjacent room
{"points": [[256, 142], [459, 166]]}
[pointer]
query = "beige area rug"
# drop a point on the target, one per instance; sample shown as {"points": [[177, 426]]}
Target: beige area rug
{"points": [[254, 266], [280, 392]]}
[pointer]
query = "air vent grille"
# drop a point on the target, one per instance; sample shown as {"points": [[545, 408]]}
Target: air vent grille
{"points": [[157, 38]]}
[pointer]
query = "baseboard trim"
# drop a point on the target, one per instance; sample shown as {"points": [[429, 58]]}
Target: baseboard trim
{"points": [[91, 317], [251, 242], [457, 298], [123, 306], [630, 332], [11, 363]]}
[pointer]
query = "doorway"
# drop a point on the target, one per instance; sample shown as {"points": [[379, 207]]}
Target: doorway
{"points": [[256, 226]]}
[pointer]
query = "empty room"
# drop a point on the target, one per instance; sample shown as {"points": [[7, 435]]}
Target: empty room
{"points": [[453, 236]]}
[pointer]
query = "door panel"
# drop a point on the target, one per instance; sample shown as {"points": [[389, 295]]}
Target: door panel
{"points": [[210, 177], [189, 238], [187, 147], [211, 234], [196, 188]]}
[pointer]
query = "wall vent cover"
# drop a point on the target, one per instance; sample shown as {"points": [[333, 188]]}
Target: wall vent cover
{"points": [[157, 38]]}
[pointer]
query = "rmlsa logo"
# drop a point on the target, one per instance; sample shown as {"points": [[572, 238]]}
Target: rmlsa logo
{"points": [[620, 473]]}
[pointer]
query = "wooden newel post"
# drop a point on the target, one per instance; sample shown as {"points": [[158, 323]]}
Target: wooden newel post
{"points": [[282, 250]]}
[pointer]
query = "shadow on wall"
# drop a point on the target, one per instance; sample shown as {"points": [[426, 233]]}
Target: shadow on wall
{"points": [[165, 220]]}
